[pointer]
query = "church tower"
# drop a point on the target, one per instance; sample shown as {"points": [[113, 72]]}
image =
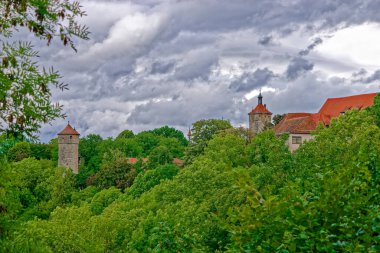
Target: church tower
{"points": [[68, 142], [259, 117]]}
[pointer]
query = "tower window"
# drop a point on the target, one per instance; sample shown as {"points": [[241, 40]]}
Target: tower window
{"points": [[71, 137], [296, 140]]}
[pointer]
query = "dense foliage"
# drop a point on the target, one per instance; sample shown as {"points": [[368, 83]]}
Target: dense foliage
{"points": [[234, 196]]}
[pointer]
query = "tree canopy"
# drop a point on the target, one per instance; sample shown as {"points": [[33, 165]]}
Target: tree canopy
{"points": [[235, 196]]}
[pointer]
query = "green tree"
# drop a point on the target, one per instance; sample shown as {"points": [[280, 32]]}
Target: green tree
{"points": [[103, 199], [150, 178], [129, 147], [159, 156], [41, 151], [10, 203], [54, 149], [375, 109], [126, 134], [19, 152], [234, 197], [88, 147], [115, 171], [170, 132], [147, 141], [6, 142], [25, 94], [229, 149], [270, 161], [38, 187], [277, 118], [175, 148], [328, 202], [105, 146], [267, 148], [202, 132]]}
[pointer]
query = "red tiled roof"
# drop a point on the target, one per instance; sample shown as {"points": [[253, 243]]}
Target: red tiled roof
{"points": [[297, 115], [68, 131], [177, 162], [333, 107], [260, 108], [132, 160], [296, 123]]}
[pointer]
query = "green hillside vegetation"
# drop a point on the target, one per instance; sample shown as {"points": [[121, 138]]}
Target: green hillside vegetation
{"points": [[232, 195]]}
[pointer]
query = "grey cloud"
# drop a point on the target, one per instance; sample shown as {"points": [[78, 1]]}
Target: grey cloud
{"points": [[360, 73], [196, 64], [361, 76], [298, 66], [156, 62], [309, 92], [250, 81], [185, 41], [161, 67], [199, 101], [315, 43], [266, 40], [269, 15], [374, 77]]}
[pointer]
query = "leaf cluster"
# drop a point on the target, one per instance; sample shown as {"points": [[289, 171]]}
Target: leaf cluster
{"points": [[25, 87]]}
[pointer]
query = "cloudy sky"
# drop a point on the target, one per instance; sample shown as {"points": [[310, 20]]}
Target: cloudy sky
{"points": [[151, 63]]}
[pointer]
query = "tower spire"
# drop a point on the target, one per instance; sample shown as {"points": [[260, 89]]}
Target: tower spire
{"points": [[260, 98], [189, 134]]}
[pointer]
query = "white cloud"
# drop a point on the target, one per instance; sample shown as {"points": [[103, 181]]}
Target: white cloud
{"points": [[357, 45], [255, 93], [128, 36]]}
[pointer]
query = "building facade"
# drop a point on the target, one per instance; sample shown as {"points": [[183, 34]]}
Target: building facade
{"points": [[299, 126], [68, 148]]}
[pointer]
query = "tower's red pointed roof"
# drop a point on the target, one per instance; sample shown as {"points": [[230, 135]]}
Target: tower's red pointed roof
{"points": [[69, 130], [260, 108]]}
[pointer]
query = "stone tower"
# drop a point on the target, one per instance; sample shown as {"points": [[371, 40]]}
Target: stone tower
{"points": [[68, 142], [259, 117]]}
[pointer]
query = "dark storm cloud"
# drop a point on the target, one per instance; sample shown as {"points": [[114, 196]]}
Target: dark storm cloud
{"points": [[155, 62], [297, 67], [250, 81]]}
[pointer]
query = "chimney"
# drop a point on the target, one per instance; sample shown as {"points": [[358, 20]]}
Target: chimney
{"points": [[265, 105]]}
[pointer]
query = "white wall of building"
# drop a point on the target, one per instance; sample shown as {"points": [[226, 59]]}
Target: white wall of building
{"points": [[292, 146]]}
